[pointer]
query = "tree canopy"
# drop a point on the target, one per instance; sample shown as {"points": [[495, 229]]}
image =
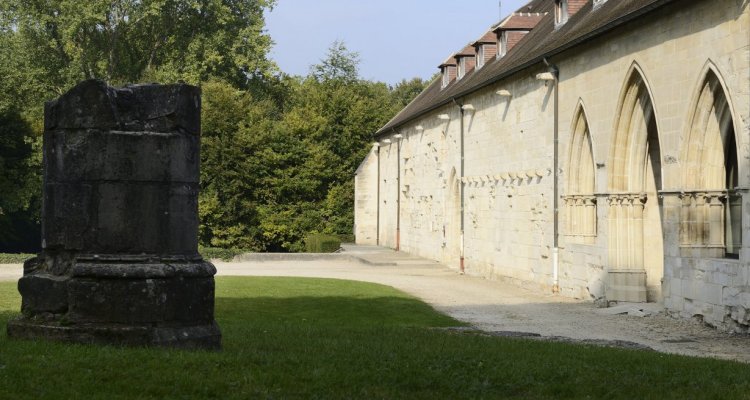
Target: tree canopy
{"points": [[278, 152]]}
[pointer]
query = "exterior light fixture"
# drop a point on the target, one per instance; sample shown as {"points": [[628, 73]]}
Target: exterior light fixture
{"points": [[467, 107], [387, 141], [419, 128], [376, 144], [504, 93], [545, 76], [398, 136], [444, 117]]}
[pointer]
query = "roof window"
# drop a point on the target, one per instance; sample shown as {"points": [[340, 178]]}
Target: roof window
{"points": [[561, 12]]}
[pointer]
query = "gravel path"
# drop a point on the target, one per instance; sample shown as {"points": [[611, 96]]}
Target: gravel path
{"points": [[496, 307]]}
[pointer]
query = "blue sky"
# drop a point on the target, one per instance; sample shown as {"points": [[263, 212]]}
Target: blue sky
{"points": [[396, 39]]}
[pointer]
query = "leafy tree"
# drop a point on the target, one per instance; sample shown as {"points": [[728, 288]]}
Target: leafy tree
{"points": [[65, 41], [340, 64]]}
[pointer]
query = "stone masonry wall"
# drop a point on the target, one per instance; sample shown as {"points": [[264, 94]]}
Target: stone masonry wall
{"points": [[509, 145]]}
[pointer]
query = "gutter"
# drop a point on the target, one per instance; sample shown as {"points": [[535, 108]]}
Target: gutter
{"points": [[377, 218], [461, 186], [556, 179], [398, 138], [539, 59]]}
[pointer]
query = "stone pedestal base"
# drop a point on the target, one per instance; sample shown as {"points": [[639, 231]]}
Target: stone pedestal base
{"points": [[626, 285], [206, 337], [118, 301]]}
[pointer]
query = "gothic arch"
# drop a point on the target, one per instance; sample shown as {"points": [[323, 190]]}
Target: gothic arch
{"points": [[580, 185], [711, 217], [634, 180], [635, 119]]}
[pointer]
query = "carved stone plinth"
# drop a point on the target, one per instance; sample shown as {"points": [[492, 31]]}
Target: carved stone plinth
{"points": [[120, 262]]}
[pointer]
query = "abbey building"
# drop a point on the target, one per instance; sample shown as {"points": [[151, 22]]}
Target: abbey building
{"points": [[599, 149]]}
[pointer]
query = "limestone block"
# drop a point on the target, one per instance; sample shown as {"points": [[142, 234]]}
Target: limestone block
{"points": [[626, 285]]}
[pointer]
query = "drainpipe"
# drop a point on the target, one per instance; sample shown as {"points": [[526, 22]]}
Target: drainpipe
{"points": [[398, 138], [461, 175], [555, 202], [377, 215]]}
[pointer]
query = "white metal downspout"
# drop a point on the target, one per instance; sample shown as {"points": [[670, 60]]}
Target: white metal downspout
{"points": [[555, 192]]}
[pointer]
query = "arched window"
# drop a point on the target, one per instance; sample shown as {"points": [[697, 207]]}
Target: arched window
{"points": [[579, 200], [711, 218]]}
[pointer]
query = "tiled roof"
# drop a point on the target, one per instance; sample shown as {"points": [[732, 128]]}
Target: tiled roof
{"points": [[543, 41], [467, 51], [449, 61], [522, 21], [489, 37]]}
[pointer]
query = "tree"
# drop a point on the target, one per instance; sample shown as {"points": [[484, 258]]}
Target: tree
{"points": [[120, 41], [340, 64]]}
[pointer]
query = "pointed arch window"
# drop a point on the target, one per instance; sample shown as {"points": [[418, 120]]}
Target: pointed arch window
{"points": [[711, 217], [579, 200]]}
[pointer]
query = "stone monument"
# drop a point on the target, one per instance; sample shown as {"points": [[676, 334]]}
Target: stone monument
{"points": [[119, 262]]}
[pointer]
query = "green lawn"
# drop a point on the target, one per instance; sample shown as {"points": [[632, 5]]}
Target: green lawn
{"points": [[317, 338]]}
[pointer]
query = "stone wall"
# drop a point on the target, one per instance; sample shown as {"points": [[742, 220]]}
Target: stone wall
{"points": [[366, 198], [508, 178]]}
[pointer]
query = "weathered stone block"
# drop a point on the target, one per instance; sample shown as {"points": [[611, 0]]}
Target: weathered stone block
{"points": [[120, 262], [44, 293], [626, 285]]}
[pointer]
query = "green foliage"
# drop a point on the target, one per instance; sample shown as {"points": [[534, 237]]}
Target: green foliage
{"points": [[19, 182], [290, 338], [211, 253], [278, 152], [284, 168], [14, 258], [322, 243], [132, 40]]}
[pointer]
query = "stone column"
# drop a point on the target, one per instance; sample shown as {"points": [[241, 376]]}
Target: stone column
{"points": [[119, 262]]}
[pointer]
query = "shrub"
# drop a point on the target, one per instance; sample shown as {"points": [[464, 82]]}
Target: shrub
{"points": [[322, 243], [210, 253], [12, 258]]}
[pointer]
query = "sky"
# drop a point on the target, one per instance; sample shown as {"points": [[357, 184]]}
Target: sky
{"points": [[395, 39]]}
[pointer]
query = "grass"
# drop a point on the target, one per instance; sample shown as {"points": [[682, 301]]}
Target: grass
{"points": [[327, 339]]}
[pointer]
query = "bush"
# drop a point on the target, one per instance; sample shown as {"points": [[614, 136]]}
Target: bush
{"points": [[348, 238], [210, 253], [322, 243], [13, 258]]}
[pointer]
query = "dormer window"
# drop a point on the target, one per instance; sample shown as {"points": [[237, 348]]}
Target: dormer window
{"points": [[561, 12], [461, 67], [502, 44], [448, 71], [485, 48]]}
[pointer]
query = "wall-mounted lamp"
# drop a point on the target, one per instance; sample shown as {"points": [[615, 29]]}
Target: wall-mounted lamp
{"points": [[504, 93], [467, 107], [387, 141], [376, 145], [398, 136], [545, 76], [444, 117], [419, 128]]}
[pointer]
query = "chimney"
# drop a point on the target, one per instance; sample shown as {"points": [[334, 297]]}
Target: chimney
{"points": [[485, 48], [448, 71]]}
